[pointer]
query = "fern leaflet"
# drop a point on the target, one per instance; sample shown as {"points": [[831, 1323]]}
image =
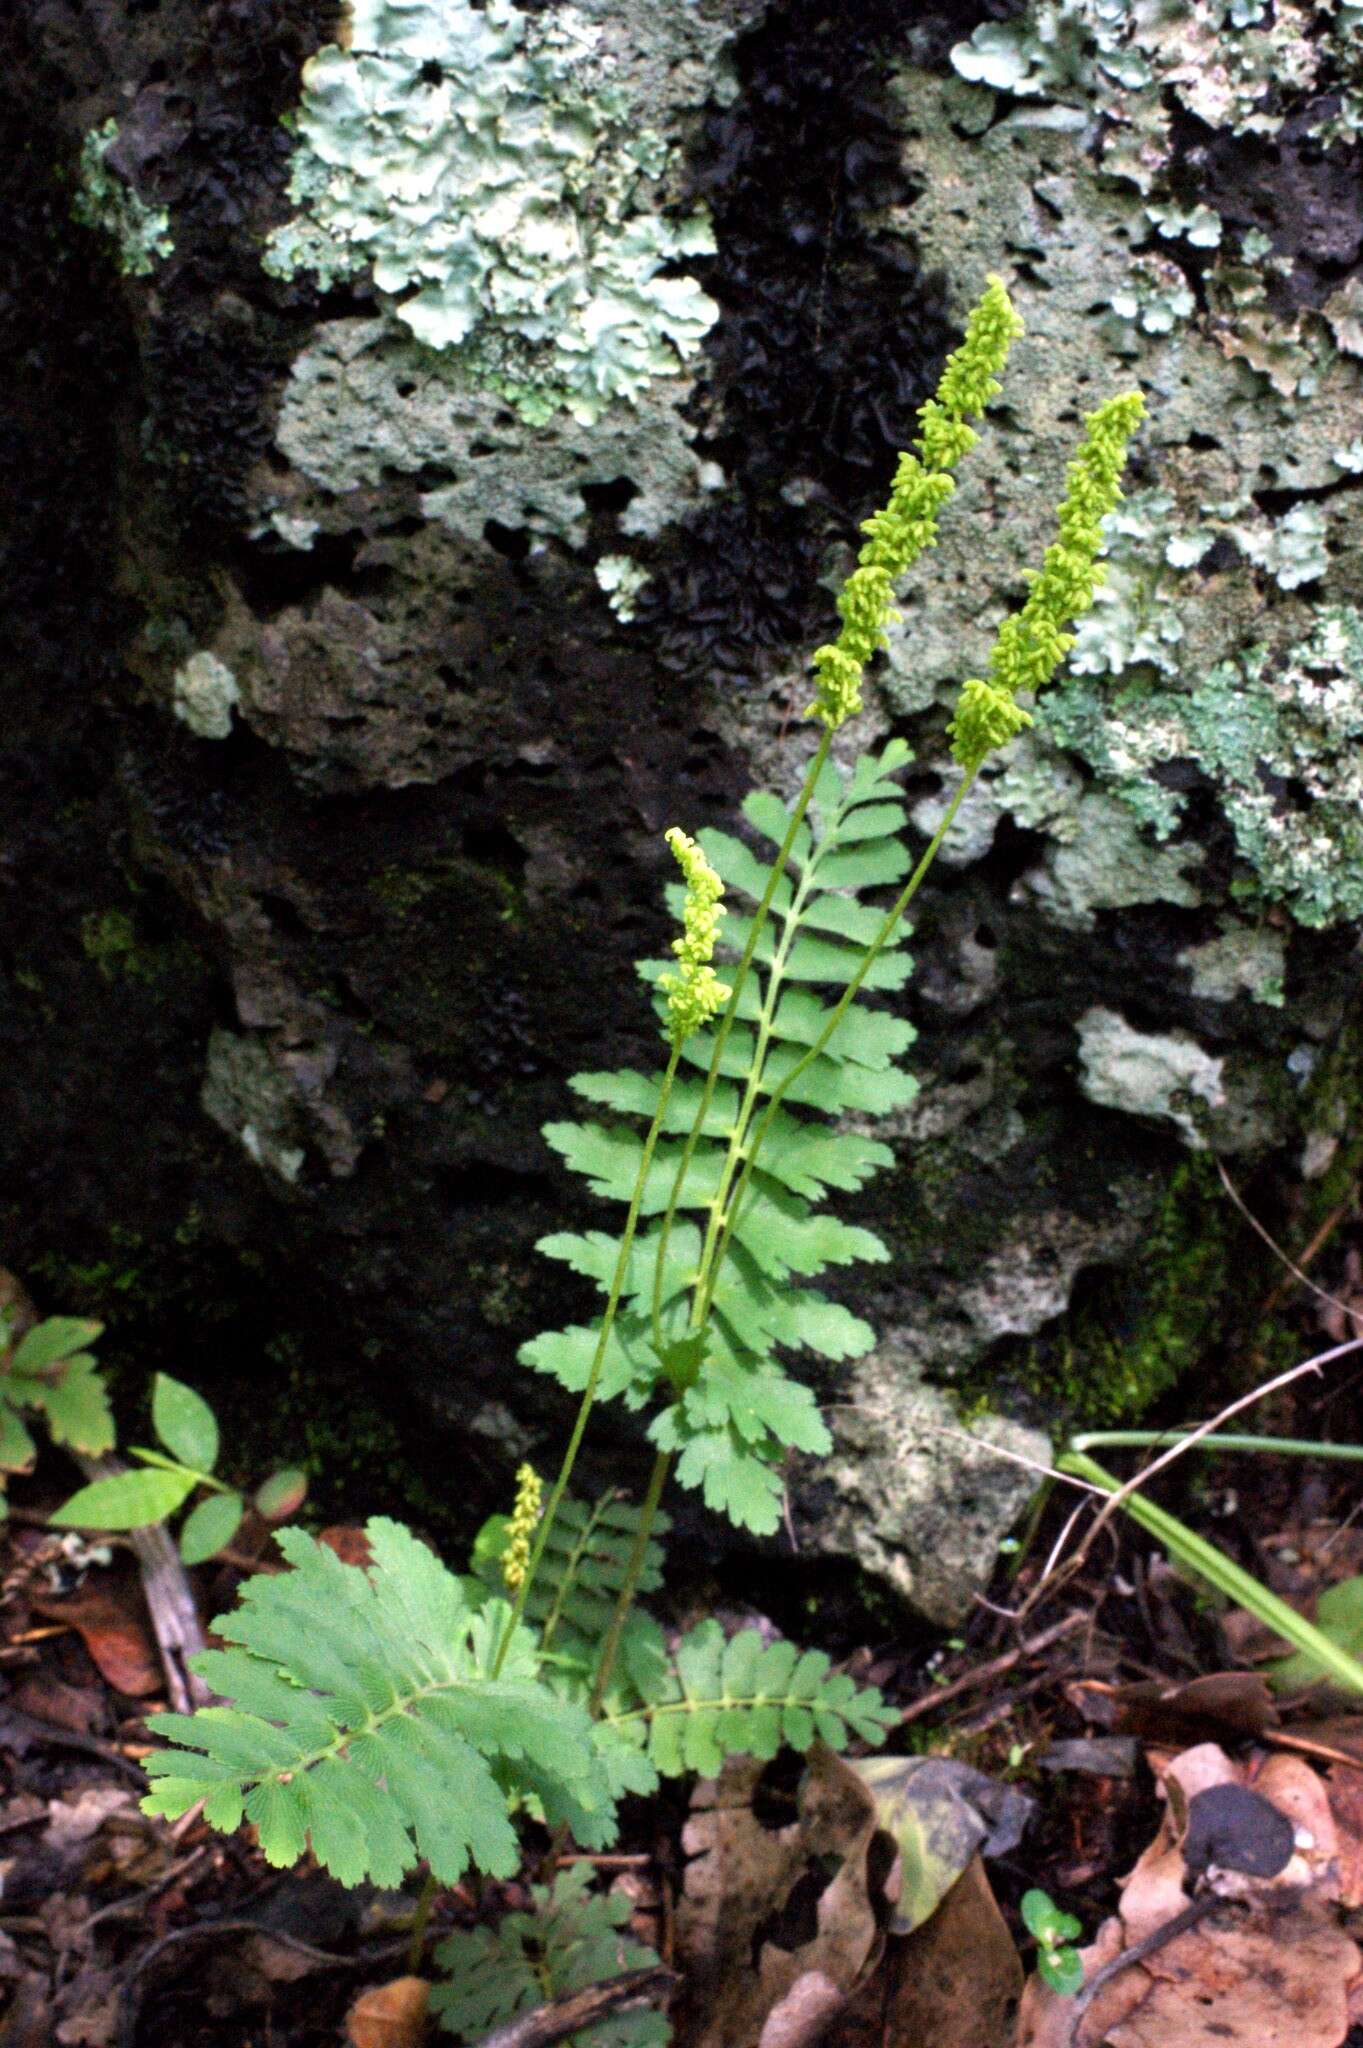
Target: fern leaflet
{"points": [[364, 1721], [731, 1409], [572, 1940], [705, 1698]]}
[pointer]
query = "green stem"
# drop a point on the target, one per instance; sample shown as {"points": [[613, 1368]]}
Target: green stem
{"points": [[570, 1571], [738, 1136], [740, 974], [835, 1017], [598, 1359], [420, 1921], [1224, 1574], [662, 1464], [1163, 1439]]}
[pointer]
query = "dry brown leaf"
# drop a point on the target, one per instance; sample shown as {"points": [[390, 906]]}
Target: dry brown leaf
{"points": [[1345, 1788], [744, 1876], [1222, 1705], [392, 2015], [110, 1618], [955, 1982], [1271, 1968]]}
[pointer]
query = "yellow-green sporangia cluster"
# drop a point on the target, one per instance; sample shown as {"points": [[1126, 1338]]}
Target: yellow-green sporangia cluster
{"points": [[1032, 642], [897, 535], [521, 1527], [694, 995]]}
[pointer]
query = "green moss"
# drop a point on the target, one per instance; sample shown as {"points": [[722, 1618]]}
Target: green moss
{"points": [[108, 939], [1332, 1162], [1132, 1338]]}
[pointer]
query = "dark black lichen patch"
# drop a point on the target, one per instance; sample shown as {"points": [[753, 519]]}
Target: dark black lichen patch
{"points": [[1308, 199], [829, 338]]}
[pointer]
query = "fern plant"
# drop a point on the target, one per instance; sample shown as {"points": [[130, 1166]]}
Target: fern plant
{"points": [[730, 1409], [403, 1713], [571, 1939], [378, 1715], [368, 1718]]}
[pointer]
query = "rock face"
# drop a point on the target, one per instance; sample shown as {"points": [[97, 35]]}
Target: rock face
{"points": [[426, 502]]}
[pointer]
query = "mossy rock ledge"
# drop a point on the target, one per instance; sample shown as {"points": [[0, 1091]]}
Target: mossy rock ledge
{"points": [[418, 516]]}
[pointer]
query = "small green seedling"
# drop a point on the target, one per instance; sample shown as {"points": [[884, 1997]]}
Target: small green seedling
{"points": [[161, 1485], [1057, 1962]]}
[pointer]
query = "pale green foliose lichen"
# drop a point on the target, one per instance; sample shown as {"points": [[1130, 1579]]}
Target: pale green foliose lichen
{"points": [[205, 695], [140, 233], [502, 188], [1280, 735], [622, 579], [1242, 960], [1167, 1075], [1226, 61]]}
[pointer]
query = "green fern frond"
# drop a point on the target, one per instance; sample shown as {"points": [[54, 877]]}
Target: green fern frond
{"points": [[707, 1698], [571, 1940], [364, 1721], [731, 1420]]}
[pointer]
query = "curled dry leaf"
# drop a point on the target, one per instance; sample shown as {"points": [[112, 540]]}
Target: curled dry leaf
{"points": [[954, 1982], [748, 1885], [940, 1812]]}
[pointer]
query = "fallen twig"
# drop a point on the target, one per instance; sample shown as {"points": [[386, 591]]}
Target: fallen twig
{"points": [[982, 1674], [1171, 1929], [564, 2016]]}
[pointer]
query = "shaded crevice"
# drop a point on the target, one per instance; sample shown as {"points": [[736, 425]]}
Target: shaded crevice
{"points": [[814, 385]]}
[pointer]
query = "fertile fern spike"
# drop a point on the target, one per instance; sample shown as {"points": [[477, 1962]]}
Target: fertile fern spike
{"points": [[731, 1409], [365, 1722]]}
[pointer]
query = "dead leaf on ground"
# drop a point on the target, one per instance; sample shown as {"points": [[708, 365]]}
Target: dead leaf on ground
{"points": [[940, 1813], [954, 1982], [45, 1697], [1271, 1966], [748, 1885], [1345, 1788], [392, 2015], [1224, 1705], [110, 1618]]}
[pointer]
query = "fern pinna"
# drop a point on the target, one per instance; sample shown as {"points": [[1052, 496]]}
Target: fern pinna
{"points": [[711, 1301]]}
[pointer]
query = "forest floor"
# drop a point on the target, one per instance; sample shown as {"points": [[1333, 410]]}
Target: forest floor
{"points": [[1102, 1732]]}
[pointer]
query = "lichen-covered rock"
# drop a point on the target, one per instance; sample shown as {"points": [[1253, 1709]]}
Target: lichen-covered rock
{"points": [[481, 531], [493, 170]]}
